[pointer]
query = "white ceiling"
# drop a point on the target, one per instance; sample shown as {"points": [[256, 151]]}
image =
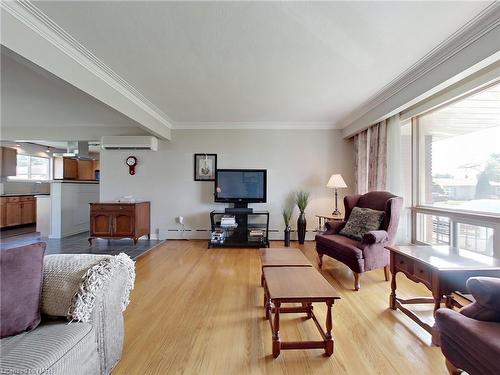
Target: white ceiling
{"points": [[260, 62]]}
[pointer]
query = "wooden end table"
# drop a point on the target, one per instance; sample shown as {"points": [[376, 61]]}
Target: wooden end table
{"points": [[442, 269], [303, 285], [459, 299], [282, 257], [322, 219]]}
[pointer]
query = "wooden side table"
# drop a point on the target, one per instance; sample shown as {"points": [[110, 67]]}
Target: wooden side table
{"points": [[442, 269], [322, 219], [459, 300]]}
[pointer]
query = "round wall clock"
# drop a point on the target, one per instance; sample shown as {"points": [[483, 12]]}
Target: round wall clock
{"points": [[131, 162]]}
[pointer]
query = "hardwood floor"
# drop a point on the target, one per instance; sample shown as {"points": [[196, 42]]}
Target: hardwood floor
{"points": [[199, 311]]}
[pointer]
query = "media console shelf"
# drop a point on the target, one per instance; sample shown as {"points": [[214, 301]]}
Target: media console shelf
{"points": [[251, 230]]}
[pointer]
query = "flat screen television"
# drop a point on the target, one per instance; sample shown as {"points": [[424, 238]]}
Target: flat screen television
{"points": [[241, 185]]}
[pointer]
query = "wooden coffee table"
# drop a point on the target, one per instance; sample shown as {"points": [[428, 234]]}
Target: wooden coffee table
{"points": [[282, 257], [303, 285]]}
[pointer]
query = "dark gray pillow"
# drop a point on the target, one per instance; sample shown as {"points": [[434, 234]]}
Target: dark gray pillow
{"points": [[362, 221], [20, 288]]}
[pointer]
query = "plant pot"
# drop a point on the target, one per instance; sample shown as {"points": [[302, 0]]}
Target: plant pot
{"points": [[301, 227], [287, 236]]}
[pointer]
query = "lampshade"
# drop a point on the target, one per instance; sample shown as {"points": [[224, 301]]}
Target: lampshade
{"points": [[336, 181]]}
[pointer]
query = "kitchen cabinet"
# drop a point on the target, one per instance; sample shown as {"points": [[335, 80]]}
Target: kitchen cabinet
{"points": [[12, 212], [86, 170], [74, 169], [119, 220], [17, 210], [65, 168], [28, 210], [3, 212], [8, 161]]}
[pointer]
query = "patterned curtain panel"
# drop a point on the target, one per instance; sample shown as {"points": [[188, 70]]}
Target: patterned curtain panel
{"points": [[370, 147]]}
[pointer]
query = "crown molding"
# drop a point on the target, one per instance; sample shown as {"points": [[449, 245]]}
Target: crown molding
{"points": [[258, 125], [473, 30], [29, 15]]}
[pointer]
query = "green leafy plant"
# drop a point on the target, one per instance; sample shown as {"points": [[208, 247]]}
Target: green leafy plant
{"points": [[287, 215], [302, 200]]}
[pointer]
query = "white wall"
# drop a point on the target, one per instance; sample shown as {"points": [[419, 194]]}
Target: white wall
{"points": [[24, 187], [70, 207], [294, 159]]}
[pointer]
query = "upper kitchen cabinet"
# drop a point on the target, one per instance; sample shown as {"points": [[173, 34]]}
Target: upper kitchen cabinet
{"points": [[74, 169], [8, 161], [86, 170], [65, 168]]}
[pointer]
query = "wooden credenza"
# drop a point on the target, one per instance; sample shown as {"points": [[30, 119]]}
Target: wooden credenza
{"points": [[119, 220]]}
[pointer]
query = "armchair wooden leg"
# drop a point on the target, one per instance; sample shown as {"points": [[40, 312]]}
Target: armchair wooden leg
{"points": [[452, 369], [356, 281], [320, 264], [386, 273]]}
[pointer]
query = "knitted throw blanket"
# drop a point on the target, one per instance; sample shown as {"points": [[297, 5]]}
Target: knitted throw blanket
{"points": [[93, 282]]}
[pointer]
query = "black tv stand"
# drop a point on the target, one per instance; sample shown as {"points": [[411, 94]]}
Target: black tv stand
{"points": [[251, 229], [239, 208], [234, 210]]}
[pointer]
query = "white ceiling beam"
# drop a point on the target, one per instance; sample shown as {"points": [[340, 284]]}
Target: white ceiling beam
{"points": [[69, 133], [31, 34]]}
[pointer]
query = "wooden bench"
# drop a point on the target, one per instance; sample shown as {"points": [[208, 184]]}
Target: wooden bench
{"points": [[304, 285], [281, 257]]}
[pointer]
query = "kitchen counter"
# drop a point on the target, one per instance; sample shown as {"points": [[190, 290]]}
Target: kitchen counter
{"points": [[75, 181], [22, 194]]}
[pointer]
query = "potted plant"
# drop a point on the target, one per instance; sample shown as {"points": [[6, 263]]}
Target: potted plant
{"points": [[302, 200], [287, 215]]}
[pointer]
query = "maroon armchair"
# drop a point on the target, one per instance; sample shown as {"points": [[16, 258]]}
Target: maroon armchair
{"points": [[470, 339], [370, 253]]}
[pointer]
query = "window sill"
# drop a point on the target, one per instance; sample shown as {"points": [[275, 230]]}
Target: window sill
{"points": [[462, 215]]}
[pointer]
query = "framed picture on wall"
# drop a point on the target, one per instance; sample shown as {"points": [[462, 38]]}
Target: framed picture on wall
{"points": [[205, 166]]}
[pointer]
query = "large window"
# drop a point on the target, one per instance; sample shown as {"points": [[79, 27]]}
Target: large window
{"points": [[457, 174], [459, 154], [32, 168], [443, 230]]}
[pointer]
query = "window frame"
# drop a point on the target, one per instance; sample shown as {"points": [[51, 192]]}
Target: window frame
{"points": [[29, 179], [489, 220]]}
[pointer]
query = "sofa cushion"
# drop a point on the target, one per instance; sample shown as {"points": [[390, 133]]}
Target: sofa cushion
{"points": [[469, 344], [54, 347], [20, 288], [362, 221]]}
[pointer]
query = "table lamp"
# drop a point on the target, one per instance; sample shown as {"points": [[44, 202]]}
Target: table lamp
{"points": [[336, 182]]}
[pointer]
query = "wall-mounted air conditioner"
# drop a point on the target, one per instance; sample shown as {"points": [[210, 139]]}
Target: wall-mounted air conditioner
{"points": [[129, 143]]}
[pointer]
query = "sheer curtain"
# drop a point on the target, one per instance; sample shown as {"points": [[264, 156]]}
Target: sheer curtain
{"points": [[383, 162], [399, 171], [370, 147]]}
